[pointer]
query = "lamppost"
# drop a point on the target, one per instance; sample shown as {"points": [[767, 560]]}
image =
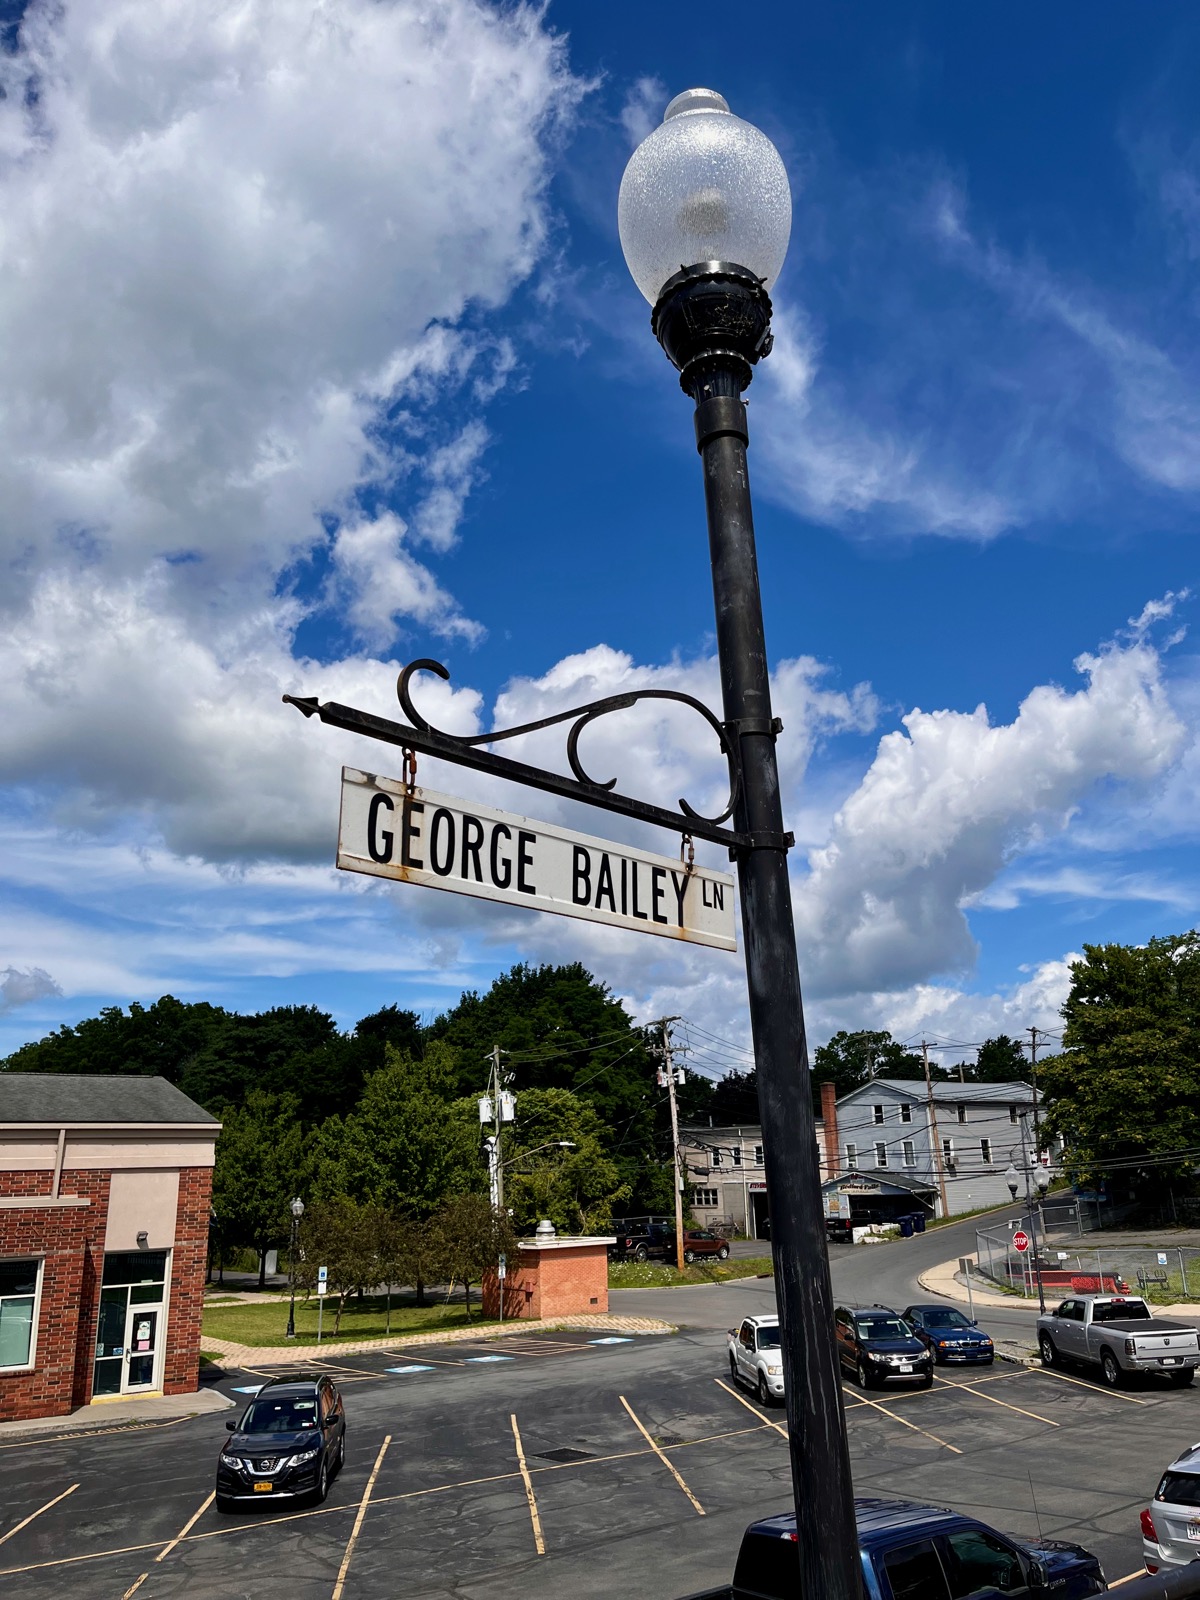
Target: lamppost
{"points": [[297, 1210], [704, 216], [1012, 1177]]}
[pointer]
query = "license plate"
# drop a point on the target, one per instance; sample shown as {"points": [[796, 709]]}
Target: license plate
{"points": [[906, 1366], [1171, 1361], [263, 1488]]}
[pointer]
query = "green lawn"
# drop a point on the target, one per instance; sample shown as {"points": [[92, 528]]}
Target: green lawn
{"points": [[658, 1275], [267, 1324]]}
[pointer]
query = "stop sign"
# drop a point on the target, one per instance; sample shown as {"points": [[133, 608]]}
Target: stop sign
{"points": [[1021, 1241]]}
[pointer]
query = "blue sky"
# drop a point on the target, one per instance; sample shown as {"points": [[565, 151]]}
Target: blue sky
{"points": [[321, 355]]}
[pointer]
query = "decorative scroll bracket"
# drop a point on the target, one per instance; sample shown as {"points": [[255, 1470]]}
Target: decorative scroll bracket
{"points": [[420, 734]]}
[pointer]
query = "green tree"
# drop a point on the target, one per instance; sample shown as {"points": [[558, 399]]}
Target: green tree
{"points": [[576, 1188], [1127, 1082], [408, 1143], [247, 1053], [1001, 1060], [342, 1236], [471, 1239], [852, 1059], [261, 1164], [421, 1260], [159, 1040]]}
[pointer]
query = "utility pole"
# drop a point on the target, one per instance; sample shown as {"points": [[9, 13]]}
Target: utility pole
{"points": [[501, 1103], [667, 1070], [933, 1122], [1033, 1050]]}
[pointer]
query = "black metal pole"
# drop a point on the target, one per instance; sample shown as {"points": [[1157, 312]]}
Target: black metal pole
{"points": [[714, 323], [291, 1327]]}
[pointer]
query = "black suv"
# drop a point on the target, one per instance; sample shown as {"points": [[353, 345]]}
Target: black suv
{"points": [[639, 1238], [289, 1442], [876, 1344]]}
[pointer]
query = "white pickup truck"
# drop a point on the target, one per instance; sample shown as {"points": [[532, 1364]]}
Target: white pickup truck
{"points": [[1118, 1333], [755, 1357]]}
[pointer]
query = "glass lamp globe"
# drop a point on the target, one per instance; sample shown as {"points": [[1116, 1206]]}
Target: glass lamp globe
{"points": [[704, 186]]}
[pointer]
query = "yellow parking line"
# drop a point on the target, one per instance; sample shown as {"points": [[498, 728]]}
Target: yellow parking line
{"points": [[657, 1448], [1093, 1388], [1128, 1578], [358, 1521], [995, 1402], [905, 1422], [135, 1586], [187, 1527], [539, 1542], [741, 1399], [4, 1538]]}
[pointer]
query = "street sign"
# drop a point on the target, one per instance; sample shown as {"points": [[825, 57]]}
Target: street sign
{"points": [[1162, 1258], [322, 1274], [415, 835], [322, 1287], [502, 1267], [1020, 1241]]}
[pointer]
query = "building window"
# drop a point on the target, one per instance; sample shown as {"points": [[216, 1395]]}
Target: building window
{"points": [[905, 1112], [881, 1154], [985, 1150], [736, 1153], [758, 1155], [705, 1198], [851, 1157], [948, 1152], [877, 1113], [1012, 1113], [962, 1113], [18, 1312], [910, 1153], [716, 1156]]}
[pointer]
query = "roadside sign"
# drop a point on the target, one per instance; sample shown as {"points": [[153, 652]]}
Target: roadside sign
{"points": [[322, 1274], [418, 836], [322, 1287], [1162, 1258], [1020, 1241], [502, 1267]]}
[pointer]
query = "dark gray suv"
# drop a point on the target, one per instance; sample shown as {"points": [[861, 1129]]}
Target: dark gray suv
{"points": [[289, 1442]]}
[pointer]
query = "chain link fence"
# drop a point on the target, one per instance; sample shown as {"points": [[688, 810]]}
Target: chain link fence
{"points": [[1086, 1264]]}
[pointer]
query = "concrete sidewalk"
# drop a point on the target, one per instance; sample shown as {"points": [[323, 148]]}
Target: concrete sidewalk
{"points": [[948, 1283], [106, 1414], [249, 1356]]}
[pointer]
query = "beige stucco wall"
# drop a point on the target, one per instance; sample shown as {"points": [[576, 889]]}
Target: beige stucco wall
{"points": [[102, 1150], [139, 1202]]}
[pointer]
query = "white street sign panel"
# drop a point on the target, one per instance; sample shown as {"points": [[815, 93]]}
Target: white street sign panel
{"points": [[418, 836]]}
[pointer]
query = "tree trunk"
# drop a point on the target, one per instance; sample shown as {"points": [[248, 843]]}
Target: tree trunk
{"points": [[421, 1300], [262, 1271], [467, 1293], [337, 1321], [388, 1325]]}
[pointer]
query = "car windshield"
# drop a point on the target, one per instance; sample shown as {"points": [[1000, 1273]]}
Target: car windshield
{"points": [[768, 1338], [1179, 1489], [287, 1414], [870, 1328], [1121, 1311], [944, 1318]]}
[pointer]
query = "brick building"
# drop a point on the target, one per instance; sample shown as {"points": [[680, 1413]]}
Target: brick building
{"points": [[555, 1275], [105, 1190]]}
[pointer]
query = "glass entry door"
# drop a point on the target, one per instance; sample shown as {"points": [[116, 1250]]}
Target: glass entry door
{"points": [[130, 1329]]}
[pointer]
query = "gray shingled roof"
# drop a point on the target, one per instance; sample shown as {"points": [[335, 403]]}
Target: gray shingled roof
{"points": [[81, 1097], [971, 1093]]}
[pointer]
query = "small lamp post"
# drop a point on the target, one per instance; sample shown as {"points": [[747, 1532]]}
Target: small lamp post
{"points": [[297, 1210], [705, 213], [1012, 1178]]}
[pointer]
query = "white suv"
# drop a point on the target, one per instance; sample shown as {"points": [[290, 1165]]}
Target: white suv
{"points": [[1171, 1522], [755, 1357]]}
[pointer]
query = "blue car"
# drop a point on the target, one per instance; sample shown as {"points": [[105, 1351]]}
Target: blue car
{"points": [[949, 1335], [919, 1552]]}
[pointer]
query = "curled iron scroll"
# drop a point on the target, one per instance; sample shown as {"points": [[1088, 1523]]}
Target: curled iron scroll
{"points": [[579, 717]]}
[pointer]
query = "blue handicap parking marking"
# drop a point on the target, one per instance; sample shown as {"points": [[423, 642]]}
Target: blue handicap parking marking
{"points": [[491, 1358], [402, 1371], [613, 1339]]}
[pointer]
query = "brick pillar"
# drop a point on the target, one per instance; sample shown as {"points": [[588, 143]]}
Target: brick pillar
{"points": [[829, 1126]]}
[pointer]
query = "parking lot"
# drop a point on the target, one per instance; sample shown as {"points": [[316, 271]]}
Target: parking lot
{"points": [[562, 1466]]}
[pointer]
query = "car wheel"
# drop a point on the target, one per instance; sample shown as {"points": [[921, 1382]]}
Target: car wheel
{"points": [[723, 1253], [1181, 1380], [225, 1505], [927, 1381], [864, 1377], [641, 1253], [1049, 1353], [341, 1460], [689, 1256], [1113, 1375], [322, 1488], [764, 1394]]}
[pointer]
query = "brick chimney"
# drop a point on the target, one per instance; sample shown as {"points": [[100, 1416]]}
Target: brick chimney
{"points": [[829, 1125]]}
